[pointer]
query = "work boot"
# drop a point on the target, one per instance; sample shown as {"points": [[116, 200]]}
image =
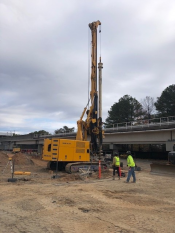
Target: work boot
{"points": [[113, 178]]}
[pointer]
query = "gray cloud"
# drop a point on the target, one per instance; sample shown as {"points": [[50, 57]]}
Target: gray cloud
{"points": [[44, 59]]}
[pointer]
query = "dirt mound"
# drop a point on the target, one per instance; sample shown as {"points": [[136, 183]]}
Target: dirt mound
{"points": [[3, 158], [18, 158], [39, 162], [22, 159]]}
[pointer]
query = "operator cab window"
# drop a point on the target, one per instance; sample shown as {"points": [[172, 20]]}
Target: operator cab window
{"points": [[49, 147]]}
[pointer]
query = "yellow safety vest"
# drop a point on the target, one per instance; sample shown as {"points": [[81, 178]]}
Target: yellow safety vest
{"points": [[117, 161], [130, 161]]}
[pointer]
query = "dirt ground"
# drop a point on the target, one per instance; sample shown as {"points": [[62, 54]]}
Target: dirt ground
{"points": [[69, 204]]}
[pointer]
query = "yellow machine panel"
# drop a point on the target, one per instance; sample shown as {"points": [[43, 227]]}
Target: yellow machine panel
{"points": [[66, 150], [16, 149], [47, 154]]}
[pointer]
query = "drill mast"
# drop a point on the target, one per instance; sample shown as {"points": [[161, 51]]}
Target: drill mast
{"points": [[93, 124]]}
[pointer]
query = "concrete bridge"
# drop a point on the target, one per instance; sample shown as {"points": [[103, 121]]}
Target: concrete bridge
{"points": [[162, 132]]}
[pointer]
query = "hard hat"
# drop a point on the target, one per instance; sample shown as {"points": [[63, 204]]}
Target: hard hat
{"points": [[116, 153], [128, 152]]}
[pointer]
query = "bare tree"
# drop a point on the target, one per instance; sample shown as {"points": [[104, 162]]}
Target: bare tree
{"points": [[148, 106]]}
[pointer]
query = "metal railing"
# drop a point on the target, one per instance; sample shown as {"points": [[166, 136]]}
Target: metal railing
{"points": [[143, 123], [132, 125]]}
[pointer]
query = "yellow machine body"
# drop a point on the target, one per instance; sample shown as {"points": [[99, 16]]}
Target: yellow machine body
{"points": [[16, 149], [65, 150]]}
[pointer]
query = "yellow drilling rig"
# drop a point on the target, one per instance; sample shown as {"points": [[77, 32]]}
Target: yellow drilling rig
{"points": [[73, 154]]}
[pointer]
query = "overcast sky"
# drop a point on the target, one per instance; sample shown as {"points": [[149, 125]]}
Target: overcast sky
{"points": [[44, 57]]}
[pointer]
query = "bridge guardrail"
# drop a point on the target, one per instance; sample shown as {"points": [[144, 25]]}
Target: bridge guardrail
{"points": [[132, 125], [142, 124]]}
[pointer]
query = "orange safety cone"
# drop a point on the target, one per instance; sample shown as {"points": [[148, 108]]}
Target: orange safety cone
{"points": [[119, 172]]}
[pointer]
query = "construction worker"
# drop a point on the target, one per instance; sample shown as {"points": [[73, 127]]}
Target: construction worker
{"points": [[116, 165], [131, 166]]}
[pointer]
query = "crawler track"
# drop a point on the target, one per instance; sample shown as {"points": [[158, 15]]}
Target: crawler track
{"points": [[94, 166]]}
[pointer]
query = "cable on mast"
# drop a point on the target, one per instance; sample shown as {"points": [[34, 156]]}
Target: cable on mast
{"points": [[88, 65]]}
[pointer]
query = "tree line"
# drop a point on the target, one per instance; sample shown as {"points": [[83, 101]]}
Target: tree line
{"points": [[64, 129], [130, 109]]}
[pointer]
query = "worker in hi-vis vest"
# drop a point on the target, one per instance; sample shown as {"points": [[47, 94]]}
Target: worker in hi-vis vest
{"points": [[131, 166], [116, 165]]}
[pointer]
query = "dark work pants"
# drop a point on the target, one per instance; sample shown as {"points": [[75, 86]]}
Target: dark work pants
{"points": [[116, 168]]}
